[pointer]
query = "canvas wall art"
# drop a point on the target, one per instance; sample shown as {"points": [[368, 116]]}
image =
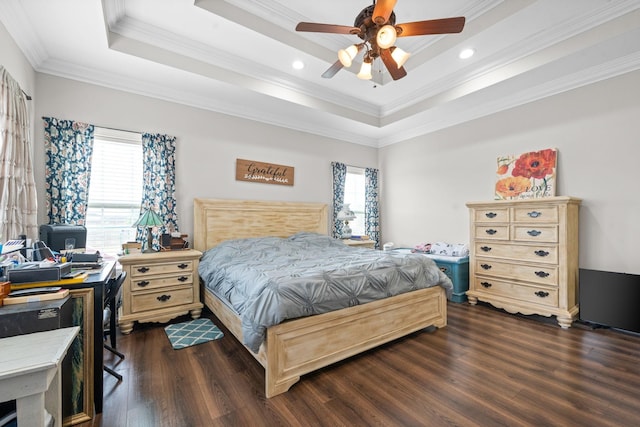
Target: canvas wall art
{"points": [[529, 175]]}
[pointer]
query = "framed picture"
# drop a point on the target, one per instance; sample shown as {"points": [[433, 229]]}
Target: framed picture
{"points": [[527, 176], [78, 407]]}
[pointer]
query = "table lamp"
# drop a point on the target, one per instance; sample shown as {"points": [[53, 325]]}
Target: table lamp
{"points": [[149, 219], [346, 214]]}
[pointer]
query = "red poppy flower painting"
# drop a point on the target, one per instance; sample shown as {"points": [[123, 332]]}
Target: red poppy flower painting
{"points": [[529, 175]]}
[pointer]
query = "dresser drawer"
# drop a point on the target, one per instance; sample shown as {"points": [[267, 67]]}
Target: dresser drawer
{"points": [[535, 215], [162, 298], [145, 283], [493, 232], [492, 215], [533, 294], [547, 275], [547, 254], [527, 233], [150, 269]]}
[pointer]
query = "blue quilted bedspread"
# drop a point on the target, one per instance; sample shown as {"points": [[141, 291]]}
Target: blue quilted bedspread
{"points": [[269, 280]]}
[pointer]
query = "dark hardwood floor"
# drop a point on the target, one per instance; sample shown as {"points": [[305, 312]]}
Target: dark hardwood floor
{"points": [[486, 368]]}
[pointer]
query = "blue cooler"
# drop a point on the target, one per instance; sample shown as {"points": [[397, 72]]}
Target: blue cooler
{"points": [[456, 268]]}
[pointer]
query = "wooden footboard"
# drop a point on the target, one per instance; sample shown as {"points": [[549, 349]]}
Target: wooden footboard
{"points": [[300, 346]]}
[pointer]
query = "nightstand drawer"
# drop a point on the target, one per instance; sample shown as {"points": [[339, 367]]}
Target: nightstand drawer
{"points": [[160, 299], [144, 283], [150, 269]]}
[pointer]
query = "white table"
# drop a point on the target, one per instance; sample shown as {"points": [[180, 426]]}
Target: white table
{"points": [[30, 374]]}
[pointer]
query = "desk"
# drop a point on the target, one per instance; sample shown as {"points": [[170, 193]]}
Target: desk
{"points": [[30, 374]]}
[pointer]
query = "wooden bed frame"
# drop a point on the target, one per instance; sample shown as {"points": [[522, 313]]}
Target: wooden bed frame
{"points": [[297, 347]]}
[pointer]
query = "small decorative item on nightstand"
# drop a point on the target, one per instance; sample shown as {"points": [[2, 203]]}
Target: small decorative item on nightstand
{"points": [[149, 219], [346, 215]]}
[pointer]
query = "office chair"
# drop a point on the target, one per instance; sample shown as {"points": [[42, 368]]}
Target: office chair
{"points": [[112, 289]]}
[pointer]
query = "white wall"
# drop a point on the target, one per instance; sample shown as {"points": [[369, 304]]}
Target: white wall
{"points": [[207, 146], [16, 63], [596, 129]]}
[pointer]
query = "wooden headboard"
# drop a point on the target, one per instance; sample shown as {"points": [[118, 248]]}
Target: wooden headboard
{"points": [[218, 220]]}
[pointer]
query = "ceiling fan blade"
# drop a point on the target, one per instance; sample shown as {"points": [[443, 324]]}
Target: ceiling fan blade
{"points": [[395, 72], [331, 71], [434, 26], [382, 11], [326, 28]]}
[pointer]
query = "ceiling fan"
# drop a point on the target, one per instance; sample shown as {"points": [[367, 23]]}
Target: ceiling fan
{"points": [[376, 26]]}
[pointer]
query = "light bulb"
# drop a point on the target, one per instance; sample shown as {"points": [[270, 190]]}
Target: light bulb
{"points": [[365, 71], [346, 55], [399, 56], [386, 37]]}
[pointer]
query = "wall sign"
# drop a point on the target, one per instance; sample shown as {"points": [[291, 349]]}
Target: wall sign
{"points": [[268, 173]]}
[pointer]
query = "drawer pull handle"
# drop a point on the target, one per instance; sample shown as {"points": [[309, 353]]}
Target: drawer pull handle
{"points": [[485, 248], [541, 253], [534, 214], [534, 233], [542, 294], [485, 284], [491, 214], [183, 266], [485, 266], [183, 279], [491, 231], [542, 274], [164, 298], [143, 269], [142, 283], [444, 269]]}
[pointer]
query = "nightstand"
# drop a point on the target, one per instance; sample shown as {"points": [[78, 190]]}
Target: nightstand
{"points": [[371, 244], [159, 287]]}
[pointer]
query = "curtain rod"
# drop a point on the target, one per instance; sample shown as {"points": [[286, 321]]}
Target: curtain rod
{"points": [[110, 128], [26, 95]]}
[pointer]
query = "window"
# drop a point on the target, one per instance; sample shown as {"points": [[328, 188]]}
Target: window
{"points": [[115, 191], [354, 187]]}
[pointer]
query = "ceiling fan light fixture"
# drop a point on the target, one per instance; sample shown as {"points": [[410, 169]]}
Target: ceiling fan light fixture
{"points": [[346, 55], [365, 70], [399, 56], [386, 37]]}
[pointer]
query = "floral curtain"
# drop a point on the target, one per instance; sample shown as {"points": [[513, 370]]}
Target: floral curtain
{"points": [[339, 178], [68, 151], [371, 205], [18, 202], [159, 186]]}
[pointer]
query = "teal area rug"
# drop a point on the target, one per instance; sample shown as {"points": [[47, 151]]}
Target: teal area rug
{"points": [[193, 332]]}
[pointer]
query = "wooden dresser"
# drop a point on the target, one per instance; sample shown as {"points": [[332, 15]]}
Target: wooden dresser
{"points": [[524, 256], [159, 286]]}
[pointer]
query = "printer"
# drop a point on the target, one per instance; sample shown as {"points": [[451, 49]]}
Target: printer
{"points": [[54, 235]]}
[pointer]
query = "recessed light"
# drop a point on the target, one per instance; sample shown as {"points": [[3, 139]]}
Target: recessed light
{"points": [[466, 53], [298, 65]]}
